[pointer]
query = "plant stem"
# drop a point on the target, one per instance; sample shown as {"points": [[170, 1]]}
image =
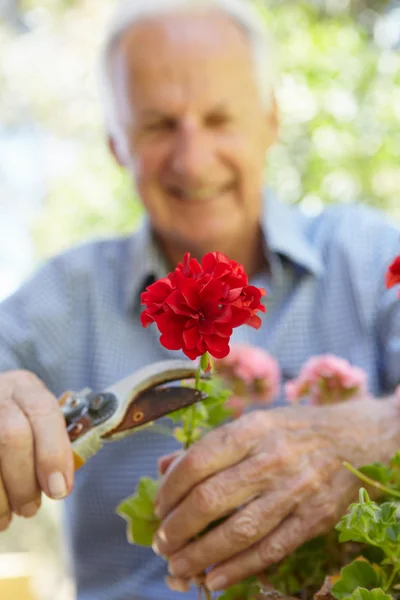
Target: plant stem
{"points": [[189, 429], [207, 592], [392, 576], [370, 481]]}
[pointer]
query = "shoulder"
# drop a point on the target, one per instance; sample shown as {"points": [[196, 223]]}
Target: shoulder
{"points": [[355, 233], [356, 244], [76, 271]]}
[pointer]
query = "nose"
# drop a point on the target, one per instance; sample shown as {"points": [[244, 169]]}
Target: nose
{"points": [[193, 153]]}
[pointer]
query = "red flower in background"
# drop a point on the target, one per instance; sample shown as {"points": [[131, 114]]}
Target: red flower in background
{"points": [[197, 306], [393, 273]]}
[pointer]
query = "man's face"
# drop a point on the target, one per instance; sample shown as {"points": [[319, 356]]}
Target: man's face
{"points": [[191, 127]]}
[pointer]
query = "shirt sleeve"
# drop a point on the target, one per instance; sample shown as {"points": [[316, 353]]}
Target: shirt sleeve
{"points": [[367, 242], [388, 311], [34, 324], [389, 338]]}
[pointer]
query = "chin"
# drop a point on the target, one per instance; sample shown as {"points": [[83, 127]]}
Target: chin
{"points": [[208, 239]]}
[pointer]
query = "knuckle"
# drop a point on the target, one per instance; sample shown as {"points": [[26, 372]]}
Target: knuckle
{"points": [[256, 468], [244, 530], [24, 379], [39, 407], [197, 460], [14, 432], [271, 552], [47, 460], [253, 422], [206, 500]]}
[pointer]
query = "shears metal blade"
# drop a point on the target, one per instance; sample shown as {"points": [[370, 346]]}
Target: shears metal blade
{"points": [[93, 418]]}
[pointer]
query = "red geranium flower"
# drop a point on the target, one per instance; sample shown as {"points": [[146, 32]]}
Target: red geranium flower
{"points": [[393, 273], [197, 306]]}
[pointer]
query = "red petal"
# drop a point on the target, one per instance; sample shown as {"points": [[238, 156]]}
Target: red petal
{"points": [[191, 337], [217, 346], [172, 340], [254, 321], [191, 293], [146, 319], [393, 273]]}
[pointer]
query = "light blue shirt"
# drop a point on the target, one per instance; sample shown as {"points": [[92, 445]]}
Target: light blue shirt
{"points": [[76, 324]]}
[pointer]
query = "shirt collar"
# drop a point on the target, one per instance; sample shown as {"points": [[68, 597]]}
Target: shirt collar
{"points": [[146, 264], [285, 232]]}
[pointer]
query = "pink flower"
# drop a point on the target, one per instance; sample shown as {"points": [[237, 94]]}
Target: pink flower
{"points": [[327, 379], [252, 373], [237, 405]]}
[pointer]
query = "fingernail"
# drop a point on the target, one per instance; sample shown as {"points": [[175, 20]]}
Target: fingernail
{"points": [[4, 523], [155, 548], [57, 486], [217, 583], [28, 510], [179, 567], [177, 585], [162, 536]]}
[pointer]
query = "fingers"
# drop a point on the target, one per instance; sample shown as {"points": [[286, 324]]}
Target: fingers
{"points": [[17, 462], [165, 461], [5, 511], [53, 451], [214, 498], [218, 450], [293, 532], [177, 585], [240, 531], [34, 446]]}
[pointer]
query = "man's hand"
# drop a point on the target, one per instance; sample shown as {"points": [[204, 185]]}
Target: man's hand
{"points": [[277, 478], [35, 452]]}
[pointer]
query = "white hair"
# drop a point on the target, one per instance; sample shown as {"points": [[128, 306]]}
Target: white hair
{"points": [[129, 12]]}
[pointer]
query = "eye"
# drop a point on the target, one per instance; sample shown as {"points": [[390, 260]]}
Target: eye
{"points": [[216, 120], [161, 125]]}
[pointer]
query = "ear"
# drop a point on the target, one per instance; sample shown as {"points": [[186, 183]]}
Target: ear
{"points": [[115, 149]]}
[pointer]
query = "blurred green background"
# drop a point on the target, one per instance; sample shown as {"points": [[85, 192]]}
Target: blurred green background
{"points": [[338, 90], [339, 95]]}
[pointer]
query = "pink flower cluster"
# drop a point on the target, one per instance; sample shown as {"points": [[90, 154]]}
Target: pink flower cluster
{"points": [[327, 379], [253, 375]]}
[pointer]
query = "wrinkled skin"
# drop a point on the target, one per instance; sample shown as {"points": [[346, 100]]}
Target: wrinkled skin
{"points": [[193, 142], [284, 468]]}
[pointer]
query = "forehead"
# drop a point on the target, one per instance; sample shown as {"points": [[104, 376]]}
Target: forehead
{"points": [[183, 58]]}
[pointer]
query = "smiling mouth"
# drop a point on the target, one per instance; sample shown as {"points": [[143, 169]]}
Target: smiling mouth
{"points": [[199, 195]]}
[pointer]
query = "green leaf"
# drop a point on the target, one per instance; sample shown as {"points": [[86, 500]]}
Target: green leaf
{"points": [[364, 594], [357, 574], [138, 511], [378, 472], [218, 415], [141, 531], [242, 591]]}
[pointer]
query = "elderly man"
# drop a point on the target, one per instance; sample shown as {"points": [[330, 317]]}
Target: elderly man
{"points": [[191, 115]]}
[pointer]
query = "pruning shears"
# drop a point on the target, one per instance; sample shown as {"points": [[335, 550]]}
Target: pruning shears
{"points": [[93, 418]]}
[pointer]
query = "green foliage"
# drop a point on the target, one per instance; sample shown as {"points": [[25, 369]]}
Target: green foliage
{"points": [[138, 511], [204, 415], [378, 526], [363, 594], [388, 475], [242, 591], [305, 568], [338, 93], [358, 574]]}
